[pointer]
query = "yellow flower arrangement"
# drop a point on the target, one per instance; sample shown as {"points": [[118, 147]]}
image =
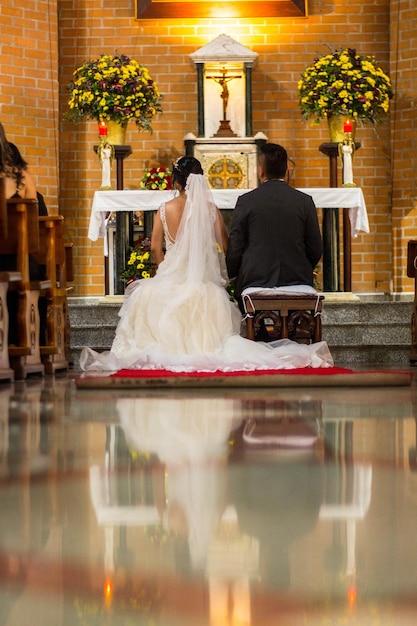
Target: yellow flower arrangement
{"points": [[139, 264], [114, 88], [345, 83]]}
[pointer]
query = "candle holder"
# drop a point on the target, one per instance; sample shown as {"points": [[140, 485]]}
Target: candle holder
{"points": [[346, 149]]}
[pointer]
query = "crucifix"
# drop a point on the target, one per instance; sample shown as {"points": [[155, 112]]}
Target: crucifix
{"points": [[222, 80]]}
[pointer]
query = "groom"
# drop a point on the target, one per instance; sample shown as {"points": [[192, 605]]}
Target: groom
{"points": [[274, 238]]}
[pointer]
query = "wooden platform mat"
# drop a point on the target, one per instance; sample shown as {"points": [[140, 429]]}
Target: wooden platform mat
{"points": [[303, 377]]}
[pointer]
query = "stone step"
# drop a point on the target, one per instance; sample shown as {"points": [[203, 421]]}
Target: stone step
{"points": [[357, 332], [367, 332]]}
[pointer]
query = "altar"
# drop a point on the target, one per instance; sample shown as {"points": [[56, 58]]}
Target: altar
{"points": [[349, 199]]}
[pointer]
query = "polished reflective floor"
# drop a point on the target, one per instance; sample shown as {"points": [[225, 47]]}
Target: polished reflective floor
{"points": [[237, 507]]}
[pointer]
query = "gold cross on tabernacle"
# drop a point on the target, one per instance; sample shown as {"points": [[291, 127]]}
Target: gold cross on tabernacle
{"points": [[225, 173]]}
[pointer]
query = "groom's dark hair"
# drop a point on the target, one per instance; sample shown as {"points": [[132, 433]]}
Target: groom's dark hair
{"points": [[274, 160], [183, 167]]}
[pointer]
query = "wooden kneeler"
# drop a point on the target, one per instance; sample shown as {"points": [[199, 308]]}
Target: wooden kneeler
{"points": [[51, 255], [295, 317], [22, 239]]}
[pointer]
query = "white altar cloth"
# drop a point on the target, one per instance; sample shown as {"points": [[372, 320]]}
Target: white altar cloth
{"points": [[143, 200]]}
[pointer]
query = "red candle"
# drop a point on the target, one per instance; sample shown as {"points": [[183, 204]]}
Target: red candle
{"points": [[102, 129], [347, 126]]}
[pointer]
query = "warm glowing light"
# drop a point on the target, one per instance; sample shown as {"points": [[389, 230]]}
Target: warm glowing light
{"points": [[228, 11], [351, 596], [102, 129], [347, 126], [108, 590]]}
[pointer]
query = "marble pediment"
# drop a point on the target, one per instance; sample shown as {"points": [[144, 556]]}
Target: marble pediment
{"points": [[224, 49]]}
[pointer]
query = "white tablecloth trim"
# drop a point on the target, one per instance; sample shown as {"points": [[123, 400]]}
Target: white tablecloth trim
{"points": [[143, 200]]}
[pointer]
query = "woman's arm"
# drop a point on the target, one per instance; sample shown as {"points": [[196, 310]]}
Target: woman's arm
{"points": [[157, 240], [29, 190]]}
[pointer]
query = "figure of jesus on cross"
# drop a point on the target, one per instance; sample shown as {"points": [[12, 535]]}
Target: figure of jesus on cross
{"points": [[222, 81]]}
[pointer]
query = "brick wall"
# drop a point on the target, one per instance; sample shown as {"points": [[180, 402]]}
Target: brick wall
{"points": [[285, 47], [29, 88]]}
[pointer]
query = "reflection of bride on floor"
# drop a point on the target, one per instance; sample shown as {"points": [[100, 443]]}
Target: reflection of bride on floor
{"points": [[182, 319], [190, 436]]}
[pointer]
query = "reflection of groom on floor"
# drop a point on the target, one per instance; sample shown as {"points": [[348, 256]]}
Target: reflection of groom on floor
{"points": [[274, 240]]}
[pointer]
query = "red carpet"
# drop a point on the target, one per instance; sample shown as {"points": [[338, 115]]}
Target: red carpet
{"points": [[302, 377]]}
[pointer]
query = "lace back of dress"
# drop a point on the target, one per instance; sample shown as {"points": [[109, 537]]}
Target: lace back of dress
{"points": [[196, 256]]}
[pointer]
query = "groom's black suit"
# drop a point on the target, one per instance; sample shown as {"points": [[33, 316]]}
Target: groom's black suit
{"points": [[274, 238]]}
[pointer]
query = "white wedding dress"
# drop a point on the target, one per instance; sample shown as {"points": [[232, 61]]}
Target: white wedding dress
{"points": [[182, 319]]}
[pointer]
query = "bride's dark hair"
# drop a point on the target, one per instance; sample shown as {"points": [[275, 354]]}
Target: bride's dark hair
{"points": [[9, 166], [183, 167]]}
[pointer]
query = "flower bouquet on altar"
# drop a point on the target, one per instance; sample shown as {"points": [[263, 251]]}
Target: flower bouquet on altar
{"points": [[113, 88], [344, 83], [157, 178], [139, 264]]}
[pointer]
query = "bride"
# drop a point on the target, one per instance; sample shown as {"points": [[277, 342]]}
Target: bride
{"points": [[182, 319]]}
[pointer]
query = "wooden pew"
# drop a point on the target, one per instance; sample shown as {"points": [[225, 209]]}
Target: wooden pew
{"points": [[412, 273], [6, 280], [69, 278], [51, 254], [6, 372], [3, 208], [23, 239]]}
